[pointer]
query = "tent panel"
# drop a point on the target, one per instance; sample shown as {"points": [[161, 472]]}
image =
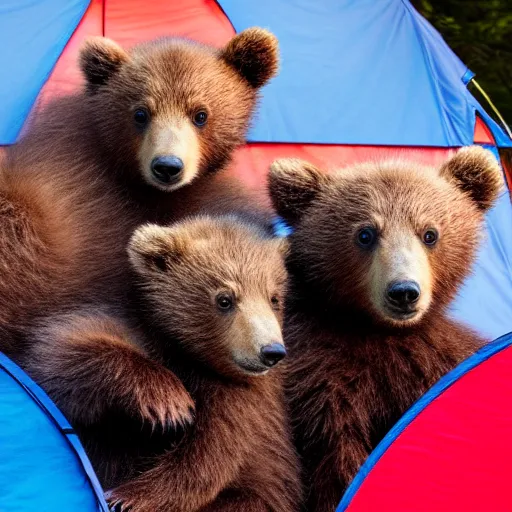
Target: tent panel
{"points": [[66, 76], [32, 35], [132, 21], [482, 134], [38, 469], [252, 161], [400, 84], [451, 450]]}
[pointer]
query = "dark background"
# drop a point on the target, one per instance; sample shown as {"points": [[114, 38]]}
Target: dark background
{"points": [[480, 33]]}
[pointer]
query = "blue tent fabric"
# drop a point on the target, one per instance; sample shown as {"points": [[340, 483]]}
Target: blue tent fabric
{"points": [[360, 72], [43, 466], [33, 34]]}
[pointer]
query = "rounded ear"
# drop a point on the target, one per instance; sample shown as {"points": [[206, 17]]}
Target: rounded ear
{"points": [[475, 171], [254, 53], [154, 247], [293, 184], [100, 59]]}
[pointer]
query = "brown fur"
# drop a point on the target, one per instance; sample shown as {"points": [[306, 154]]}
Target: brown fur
{"points": [[354, 367], [253, 54], [74, 189], [219, 194], [238, 454], [94, 345]]}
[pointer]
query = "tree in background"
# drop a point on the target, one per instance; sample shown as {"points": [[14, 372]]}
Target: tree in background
{"points": [[480, 33]]}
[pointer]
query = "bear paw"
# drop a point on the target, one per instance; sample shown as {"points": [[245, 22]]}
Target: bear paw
{"points": [[127, 499], [116, 504], [161, 399]]}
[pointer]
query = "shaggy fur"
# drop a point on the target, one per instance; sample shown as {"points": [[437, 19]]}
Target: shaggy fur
{"points": [[238, 454], [253, 55], [355, 366], [74, 189]]}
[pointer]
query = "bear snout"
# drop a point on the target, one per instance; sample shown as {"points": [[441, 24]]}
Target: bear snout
{"points": [[271, 354], [403, 295], [167, 169]]}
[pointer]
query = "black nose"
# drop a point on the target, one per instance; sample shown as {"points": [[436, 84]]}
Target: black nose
{"points": [[403, 293], [271, 354], [167, 168]]}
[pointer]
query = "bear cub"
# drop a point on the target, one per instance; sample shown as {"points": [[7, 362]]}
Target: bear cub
{"points": [[208, 293], [378, 252]]}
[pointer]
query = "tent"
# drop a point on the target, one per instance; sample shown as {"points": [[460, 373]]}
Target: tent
{"points": [[451, 450], [43, 466], [359, 80]]}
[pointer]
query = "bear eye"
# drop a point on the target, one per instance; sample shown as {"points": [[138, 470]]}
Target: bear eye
{"points": [[224, 302], [141, 117], [275, 301], [366, 237], [430, 237], [200, 118]]}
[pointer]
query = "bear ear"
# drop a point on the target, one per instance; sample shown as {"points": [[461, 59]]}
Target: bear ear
{"points": [[155, 248], [475, 171], [254, 53], [293, 184], [100, 59]]}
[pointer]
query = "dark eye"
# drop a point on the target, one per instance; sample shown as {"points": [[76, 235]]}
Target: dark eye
{"points": [[200, 118], [430, 237], [366, 237], [275, 301], [224, 302], [141, 117]]}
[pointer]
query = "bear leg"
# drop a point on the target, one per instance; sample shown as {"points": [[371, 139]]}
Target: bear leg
{"points": [[88, 363]]}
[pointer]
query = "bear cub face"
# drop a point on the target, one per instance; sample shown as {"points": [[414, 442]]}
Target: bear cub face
{"points": [[392, 239], [216, 285], [176, 107]]}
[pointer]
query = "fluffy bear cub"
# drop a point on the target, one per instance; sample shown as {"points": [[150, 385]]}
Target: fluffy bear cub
{"points": [[208, 295], [378, 252]]}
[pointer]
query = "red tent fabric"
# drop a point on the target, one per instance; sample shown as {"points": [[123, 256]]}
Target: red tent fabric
{"points": [[451, 451]]}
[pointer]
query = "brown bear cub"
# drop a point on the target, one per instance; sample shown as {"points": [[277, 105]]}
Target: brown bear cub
{"points": [[378, 252], [91, 169], [208, 294]]}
